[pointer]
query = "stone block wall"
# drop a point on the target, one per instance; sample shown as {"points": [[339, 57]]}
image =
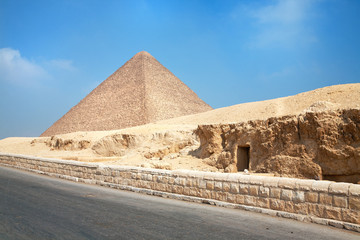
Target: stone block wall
{"points": [[309, 198]]}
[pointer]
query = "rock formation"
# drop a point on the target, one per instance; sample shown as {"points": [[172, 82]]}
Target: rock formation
{"points": [[314, 144], [141, 91]]}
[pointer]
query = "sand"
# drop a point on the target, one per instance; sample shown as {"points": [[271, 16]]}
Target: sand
{"points": [[328, 98]]}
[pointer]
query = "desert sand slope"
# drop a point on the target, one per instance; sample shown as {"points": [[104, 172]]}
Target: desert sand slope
{"points": [[148, 143], [327, 98]]}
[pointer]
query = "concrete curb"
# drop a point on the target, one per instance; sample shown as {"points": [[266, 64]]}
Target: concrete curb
{"points": [[275, 213]]}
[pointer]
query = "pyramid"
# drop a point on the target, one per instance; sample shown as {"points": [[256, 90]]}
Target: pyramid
{"points": [[140, 92]]}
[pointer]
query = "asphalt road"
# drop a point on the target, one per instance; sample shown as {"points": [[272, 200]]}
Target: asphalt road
{"points": [[39, 207]]}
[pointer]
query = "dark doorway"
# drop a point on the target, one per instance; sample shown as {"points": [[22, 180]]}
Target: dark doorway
{"points": [[243, 158]]}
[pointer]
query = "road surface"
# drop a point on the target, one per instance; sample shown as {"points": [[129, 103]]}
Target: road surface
{"points": [[39, 207]]}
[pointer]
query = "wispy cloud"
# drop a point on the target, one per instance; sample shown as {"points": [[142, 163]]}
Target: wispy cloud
{"points": [[19, 70], [16, 69], [282, 23], [283, 12], [62, 64]]}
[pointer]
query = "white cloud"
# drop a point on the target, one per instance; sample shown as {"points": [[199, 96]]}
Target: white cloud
{"points": [[16, 69], [283, 12], [285, 23], [62, 64]]}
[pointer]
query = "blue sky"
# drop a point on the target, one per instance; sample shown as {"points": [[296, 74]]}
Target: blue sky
{"points": [[54, 52]]}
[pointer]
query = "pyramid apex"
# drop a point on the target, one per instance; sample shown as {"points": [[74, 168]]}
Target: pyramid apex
{"points": [[143, 53]]}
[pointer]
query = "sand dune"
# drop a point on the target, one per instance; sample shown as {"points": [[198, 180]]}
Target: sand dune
{"points": [[327, 98]]}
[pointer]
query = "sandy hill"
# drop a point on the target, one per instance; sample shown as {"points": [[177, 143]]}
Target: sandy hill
{"points": [[327, 98], [168, 143], [141, 91]]}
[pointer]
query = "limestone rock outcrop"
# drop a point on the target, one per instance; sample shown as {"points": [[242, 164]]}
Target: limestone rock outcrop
{"points": [[154, 145], [58, 143], [314, 144]]}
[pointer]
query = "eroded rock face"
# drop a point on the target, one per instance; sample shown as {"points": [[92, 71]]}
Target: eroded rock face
{"points": [[155, 145], [116, 144], [316, 145], [58, 143]]}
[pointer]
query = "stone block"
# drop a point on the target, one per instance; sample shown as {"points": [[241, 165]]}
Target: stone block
{"points": [[178, 189], [171, 180], [213, 195], [168, 187], [202, 184], [186, 191], [149, 177], [317, 210], [354, 190], [270, 182], [234, 187], [325, 199], [195, 182], [263, 202], [354, 203], [194, 192], [218, 186], [176, 180], [226, 186], [289, 207], [142, 184], [256, 180], [277, 204], [245, 179], [233, 177], [250, 200], [288, 183], [210, 185], [221, 196], [287, 194], [275, 193], [165, 180], [264, 191], [304, 184], [189, 182], [301, 208], [339, 188], [254, 190], [231, 198], [240, 199], [340, 201], [333, 213], [220, 176], [299, 196], [350, 216], [182, 181], [321, 186], [243, 188], [159, 179], [205, 193]]}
